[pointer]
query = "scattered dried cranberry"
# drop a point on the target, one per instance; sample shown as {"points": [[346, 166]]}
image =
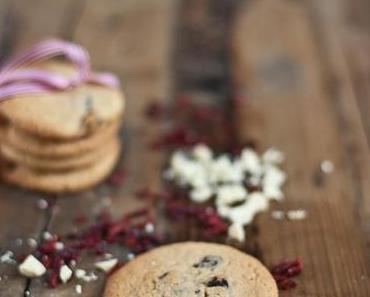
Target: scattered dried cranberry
{"points": [[118, 177], [177, 138], [155, 110], [53, 279], [128, 231], [284, 271], [208, 220]]}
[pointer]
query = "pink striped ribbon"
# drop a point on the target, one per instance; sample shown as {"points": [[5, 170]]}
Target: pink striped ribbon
{"points": [[15, 79]]}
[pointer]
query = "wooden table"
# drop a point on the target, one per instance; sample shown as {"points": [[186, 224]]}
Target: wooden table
{"points": [[301, 70]]}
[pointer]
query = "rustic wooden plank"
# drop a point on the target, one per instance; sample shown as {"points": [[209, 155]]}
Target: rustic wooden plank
{"points": [[127, 38], [113, 32], [331, 29], [25, 23], [20, 220], [357, 51], [358, 13], [277, 67]]}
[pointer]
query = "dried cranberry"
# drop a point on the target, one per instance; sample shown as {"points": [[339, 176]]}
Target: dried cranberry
{"points": [[155, 110], [284, 271], [45, 260], [53, 279], [176, 138], [118, 177]]}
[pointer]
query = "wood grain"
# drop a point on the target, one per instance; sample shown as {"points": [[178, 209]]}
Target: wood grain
{"points": [[278, 66], [142, 164], [302, 68], [24, 22], [331, 32]]}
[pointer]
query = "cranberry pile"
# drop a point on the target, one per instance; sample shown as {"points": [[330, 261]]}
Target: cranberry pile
{"points": [[129, 232], [191, 123]]}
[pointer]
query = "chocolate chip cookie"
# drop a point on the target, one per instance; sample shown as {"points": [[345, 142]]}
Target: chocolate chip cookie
{"points": [[192, 269]]}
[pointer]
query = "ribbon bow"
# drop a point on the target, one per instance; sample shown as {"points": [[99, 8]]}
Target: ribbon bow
{"points": [[17, 80]]}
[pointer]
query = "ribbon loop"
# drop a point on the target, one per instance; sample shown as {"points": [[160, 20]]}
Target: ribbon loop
{"points": [[15, 80]]}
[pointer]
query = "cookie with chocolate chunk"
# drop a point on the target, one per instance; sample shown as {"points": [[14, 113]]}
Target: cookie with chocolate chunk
{"points": [[60, 182], [65, 115], [192, 269]]}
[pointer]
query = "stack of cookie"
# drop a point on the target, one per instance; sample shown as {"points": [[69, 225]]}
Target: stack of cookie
{"points": [[63, 141]]}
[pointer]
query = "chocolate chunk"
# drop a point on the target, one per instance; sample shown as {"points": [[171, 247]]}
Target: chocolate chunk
{"points": [[217, 282], [163, 275], [208, 262]]}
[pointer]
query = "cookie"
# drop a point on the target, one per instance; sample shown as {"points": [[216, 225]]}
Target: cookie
{"points": [[69, 114], [57, 164], [60, 182], [47, 148], [192, 269]]}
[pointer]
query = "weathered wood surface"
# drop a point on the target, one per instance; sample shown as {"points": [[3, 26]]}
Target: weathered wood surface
{"points": [[304, 68], [280, 67], [140, 55]]}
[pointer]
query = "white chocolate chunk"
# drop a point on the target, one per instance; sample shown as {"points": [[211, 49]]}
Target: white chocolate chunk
{"points": [[228, 194], [78, 289], [201, 194], [273, 156], [7, 258], [236, 232], [251, 162], [65, 274], [220, 170], [245, 213], [297, 214], [202, 153], [327, 166], [31, 267], [106, 265], [278, 215]]}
